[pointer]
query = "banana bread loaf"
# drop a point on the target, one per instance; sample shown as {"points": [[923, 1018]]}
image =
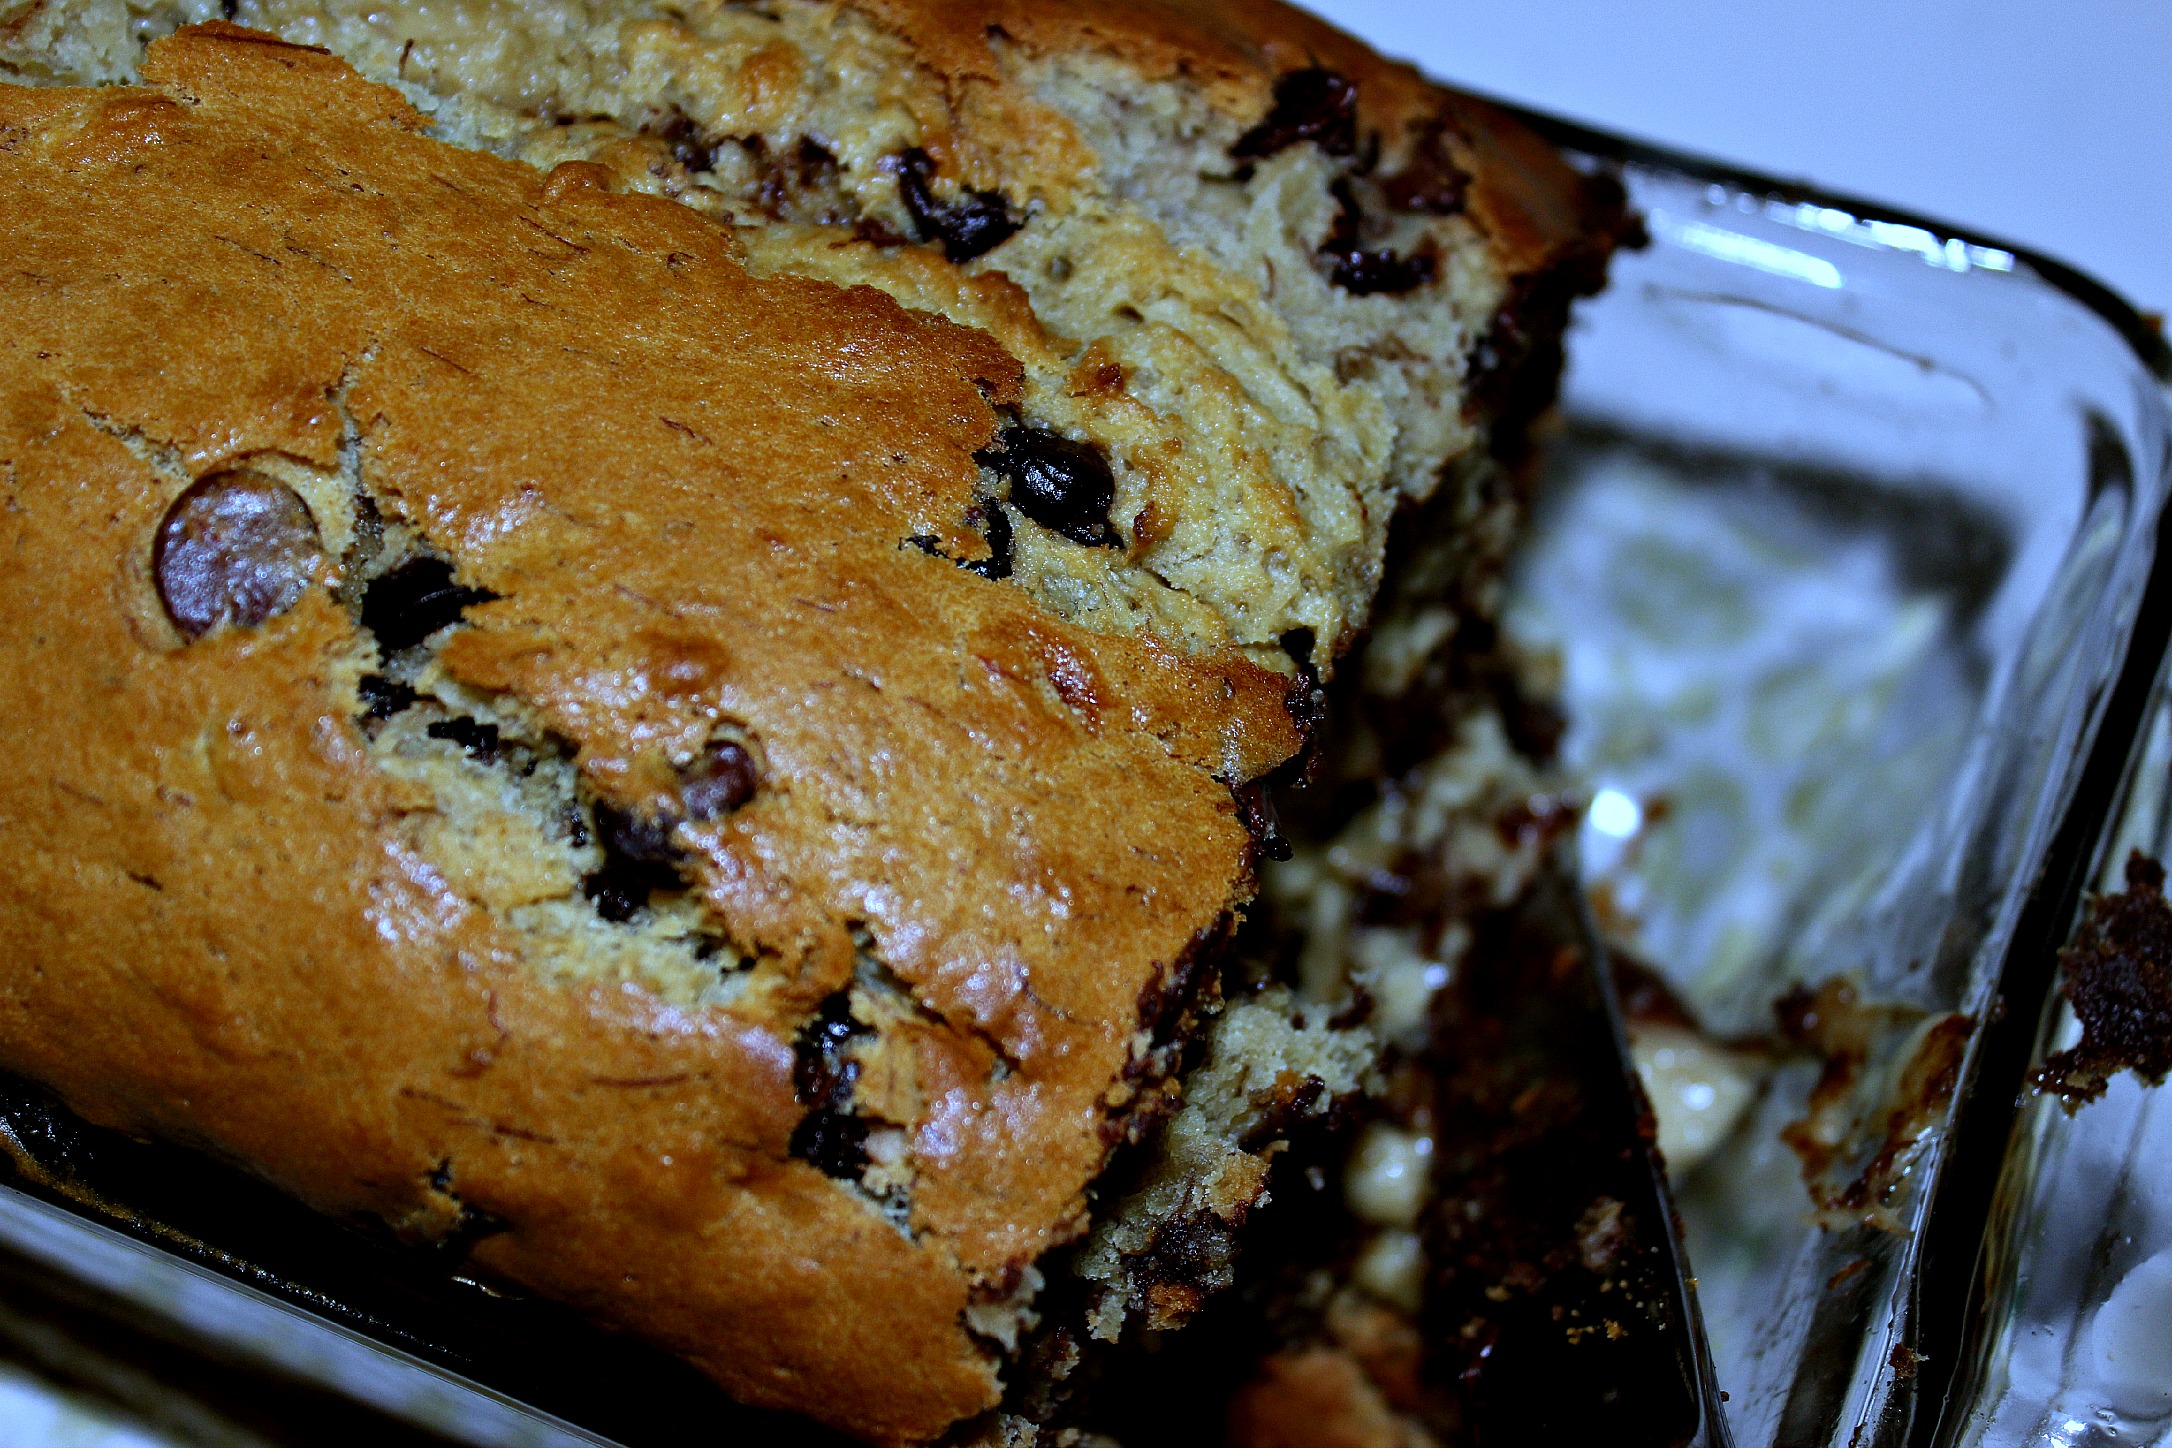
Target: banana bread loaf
{"points": [[649, 638]]}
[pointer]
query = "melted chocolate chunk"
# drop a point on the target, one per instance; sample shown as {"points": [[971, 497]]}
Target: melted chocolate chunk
{"points": [[382, 697], [1064, 486], [1362, 272], [2117, 975], [688, 147], [476, 737], [994, 525], [973, 225], [415, 600], [1432, 184], [823, 1075], [722, 780], [236, 548], [1314, 105], [1381, 273], [638, 860]]}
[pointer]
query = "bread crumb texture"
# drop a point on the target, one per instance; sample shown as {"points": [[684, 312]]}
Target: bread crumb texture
{"points": [[644, 621]]}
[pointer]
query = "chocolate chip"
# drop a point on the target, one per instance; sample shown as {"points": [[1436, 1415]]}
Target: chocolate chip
{"points": [[473, 735], [976, 223], [835, 1144], [642, 841], [687, 145], [238, 548], [1063, 485], [1368, 273], [382, 697], [722, 780], [1432, 184], [823, 1076], [994, 525], [413, 601], [638, 860], [1314, 105], [1381, 273]]}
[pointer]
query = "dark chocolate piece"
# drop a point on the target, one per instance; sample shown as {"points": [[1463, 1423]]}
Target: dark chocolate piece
{"points": [[995, 526], [973, 225], [1063, 485], [638, 860], [722, 780], [829, 1136], [237, 548], [413, 601], [1363, 272], [382, 697], [476, 737], [1314, 105], [1432, 184]]}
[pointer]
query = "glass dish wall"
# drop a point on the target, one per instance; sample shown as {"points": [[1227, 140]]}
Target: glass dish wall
{"points": [[1840, 552]]}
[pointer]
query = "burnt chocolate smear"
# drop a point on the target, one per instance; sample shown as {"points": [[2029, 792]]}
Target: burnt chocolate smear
{"points": [[409, 603], [722, 780], [1316, 105], [829, 1136], [973, 225], [2117, 976], [1363, 272], [1432, 184], [1063, 485], [236, 548], [639, 859]]}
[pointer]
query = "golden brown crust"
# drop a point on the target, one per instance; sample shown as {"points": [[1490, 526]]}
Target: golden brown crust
{"points": [[692, 490]]}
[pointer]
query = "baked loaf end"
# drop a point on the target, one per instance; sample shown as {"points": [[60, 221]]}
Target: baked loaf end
{"points": [[1280, 281], [680, 712]]}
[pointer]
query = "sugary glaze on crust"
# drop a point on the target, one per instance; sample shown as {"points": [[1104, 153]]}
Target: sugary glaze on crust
{"points": [[692, 490]]}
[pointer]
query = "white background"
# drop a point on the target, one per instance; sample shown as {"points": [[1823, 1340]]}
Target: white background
{"points": [[2043, 122]]}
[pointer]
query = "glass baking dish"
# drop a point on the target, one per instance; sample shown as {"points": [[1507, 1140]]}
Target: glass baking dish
{"points": [[1846, 553], [1844, 534], [2070, 1341]]}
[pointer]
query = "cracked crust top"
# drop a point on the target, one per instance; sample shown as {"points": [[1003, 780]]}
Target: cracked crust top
{"points": [[902, 876]]}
